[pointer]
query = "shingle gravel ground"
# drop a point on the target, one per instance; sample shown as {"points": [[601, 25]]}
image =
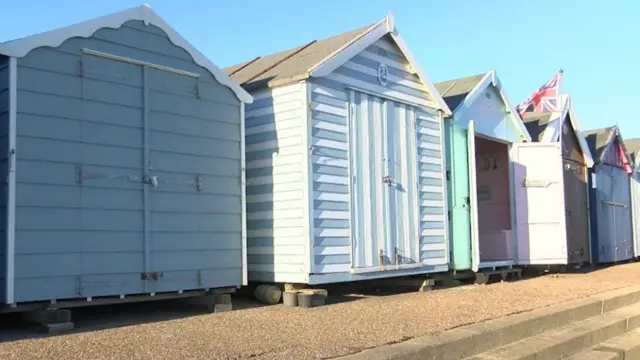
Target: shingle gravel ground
{"points": [[277, 332]]}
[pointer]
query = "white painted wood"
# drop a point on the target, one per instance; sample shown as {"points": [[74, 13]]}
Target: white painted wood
{"points": [[277, 108], [540, 208], [277, 92], [336, 59], [443, 175], [280, 251], [473, 197], [11, 181], [269, 197], [369, 88], [141, 63], [21, 47], [553, 130], [490, 79], [276, 233]]}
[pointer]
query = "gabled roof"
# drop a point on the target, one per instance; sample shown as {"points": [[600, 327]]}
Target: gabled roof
{"points": [[599, 140], [546, 127], [462, 92], [633, 147], [455, 91], [536, 123], [21, 47], [319, 58]]}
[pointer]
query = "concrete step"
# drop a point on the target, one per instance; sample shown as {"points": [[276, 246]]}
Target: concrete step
{"points": [[626, 346], [623, 347], [567, 340], [467, 341]]}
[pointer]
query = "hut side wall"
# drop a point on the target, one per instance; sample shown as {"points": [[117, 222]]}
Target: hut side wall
{"points": [[86, 225], [276, 190], [4, 146]]}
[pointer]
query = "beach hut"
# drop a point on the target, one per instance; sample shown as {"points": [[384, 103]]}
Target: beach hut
{"points": [[610, 196], [551, 186], [479, 136], [633, 148], [123, 154], [344, 161]]}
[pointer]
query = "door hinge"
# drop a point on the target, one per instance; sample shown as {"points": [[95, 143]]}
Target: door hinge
{"points": [[448, 175]]}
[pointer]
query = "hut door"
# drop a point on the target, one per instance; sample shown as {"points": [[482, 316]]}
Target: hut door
{"points": [[540, 206], [383, 163], [473, 197]]}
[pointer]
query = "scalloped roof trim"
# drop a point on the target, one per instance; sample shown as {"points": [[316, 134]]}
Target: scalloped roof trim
{"points": [[54, 38]]}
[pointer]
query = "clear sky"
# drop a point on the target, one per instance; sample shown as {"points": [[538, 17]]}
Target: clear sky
{"points": [[597, 43]]}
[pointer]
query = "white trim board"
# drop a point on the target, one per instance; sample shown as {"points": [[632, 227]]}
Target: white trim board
{"points": [[553, 130], [490, 79], [385, 26], [54, 38]]}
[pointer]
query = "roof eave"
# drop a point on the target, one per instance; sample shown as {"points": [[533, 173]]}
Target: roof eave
{"points": [[270, 84], [54, 38], [383, 27]]}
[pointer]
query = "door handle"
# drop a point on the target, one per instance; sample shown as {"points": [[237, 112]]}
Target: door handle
{"points": [[387, 180], [151, 180]]}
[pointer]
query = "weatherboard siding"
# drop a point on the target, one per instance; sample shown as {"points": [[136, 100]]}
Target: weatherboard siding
{"points": [[276, 187], [4, 148], [332, 225], [432, 197], [81, 117]]}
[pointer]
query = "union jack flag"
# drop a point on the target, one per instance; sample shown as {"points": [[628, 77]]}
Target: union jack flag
{"points": [[544, 99]]}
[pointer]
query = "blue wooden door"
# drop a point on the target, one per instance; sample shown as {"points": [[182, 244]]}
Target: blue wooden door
{"points": [[383, 166]]}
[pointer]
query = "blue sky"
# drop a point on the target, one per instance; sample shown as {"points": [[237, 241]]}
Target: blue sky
{"points": [[596, 43]]}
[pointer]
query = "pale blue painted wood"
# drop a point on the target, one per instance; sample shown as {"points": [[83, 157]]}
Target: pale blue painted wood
{"points": [[610, 210], [490, 117], [75, 109], [4, 147], [329, 102]]}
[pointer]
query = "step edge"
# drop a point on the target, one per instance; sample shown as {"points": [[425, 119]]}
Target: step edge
{"points": [[614, 326], [473, 339]]}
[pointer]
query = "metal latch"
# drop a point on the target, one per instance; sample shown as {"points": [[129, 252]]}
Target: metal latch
{"points": [[151, 276], [387, 180], [151, 180]]}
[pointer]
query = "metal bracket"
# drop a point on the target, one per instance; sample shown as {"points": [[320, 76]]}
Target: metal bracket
{"points": [[151, 276], [199, 183], [81, 176]]}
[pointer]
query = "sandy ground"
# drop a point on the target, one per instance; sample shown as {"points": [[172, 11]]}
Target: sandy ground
{"points": [[276, 332]]}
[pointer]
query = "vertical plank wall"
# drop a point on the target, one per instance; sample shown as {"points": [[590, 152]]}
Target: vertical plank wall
{"points": [[329, 100], [76, 110], [4, 147], [276, 239]]}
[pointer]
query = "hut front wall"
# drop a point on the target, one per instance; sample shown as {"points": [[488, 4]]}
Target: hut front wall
{"points": [[277, 238], [611, 214], [89, 129], [635, 201], [490, 117], [337, 208], [4, 147]]}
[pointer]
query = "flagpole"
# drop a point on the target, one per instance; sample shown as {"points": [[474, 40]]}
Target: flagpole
{"points": [[560, 72]]}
